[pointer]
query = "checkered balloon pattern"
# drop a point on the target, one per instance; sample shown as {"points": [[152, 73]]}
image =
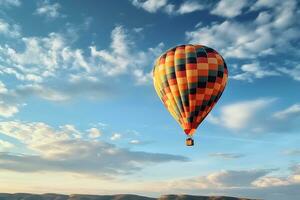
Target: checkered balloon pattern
{"points": [[190, 79]]}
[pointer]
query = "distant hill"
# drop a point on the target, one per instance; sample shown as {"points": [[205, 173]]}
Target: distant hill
{"points": [[190, 197], [25, 196]]}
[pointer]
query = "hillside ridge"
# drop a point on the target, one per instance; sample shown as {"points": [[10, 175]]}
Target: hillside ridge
{"points": [[54, 196]]}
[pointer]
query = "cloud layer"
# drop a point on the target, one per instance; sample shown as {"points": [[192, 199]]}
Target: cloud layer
{"points": [[252, 116], [67, 149], [51, 69], [273, 32]]}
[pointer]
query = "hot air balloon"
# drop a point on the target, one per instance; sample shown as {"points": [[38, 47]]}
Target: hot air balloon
{"points": [[190, 79]]}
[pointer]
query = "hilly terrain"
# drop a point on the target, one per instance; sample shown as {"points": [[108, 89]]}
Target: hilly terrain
{"points": [[25, 196]]}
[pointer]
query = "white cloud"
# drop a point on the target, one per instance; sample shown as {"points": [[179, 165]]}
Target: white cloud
{"points": [[41, 91], [3, 88], [114, 62], [270, 181], [35, 134], [289, 112], [292, 72], [49, 10], [252, 116], [189, 7], [292, 152], [296, 169], [240, 115], [72, 131], [9, 30], [254, 40], [8, 102], [60, 149], [233, 39], [139, 142], [254, 70], [221, 180], [226, 156], [286, 14], [94, 133], [229, 8], [263, 17], [138, 29], [7, 110], [41, 65], [233, 178], [170, 9], [85, 158], [251, 183], [8, 3], [150, 5], [116, 136], [40, 58], [134, 142], [5, 145], [54, 54], [250, 40], [121, 59], [141, 77], [264, 4], [12, 99]]}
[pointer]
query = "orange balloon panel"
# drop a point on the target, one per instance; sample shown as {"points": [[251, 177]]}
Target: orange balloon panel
{"points": [[190, 79]]}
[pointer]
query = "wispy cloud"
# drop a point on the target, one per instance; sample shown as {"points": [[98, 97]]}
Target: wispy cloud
{"points": [[8, 110], [8, 103], [189, 7], [264, 4], [51, 11], [292, 111], [254, 71], [229, 8], [224, 179], [94, 132], [292, 152], [116, 136], [5, 145], [251, 116], [152, 6], [116, 61], [9, 30], [253, 183], [9, 3], [232, 178], [239, 115], [295, 169], [121, 59], [293, 72], [269, 181], [134, 142], [227, 156], [254, 39], [45, 60]]}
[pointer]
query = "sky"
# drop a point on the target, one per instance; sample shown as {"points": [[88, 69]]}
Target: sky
{"points": [[79, 113]]}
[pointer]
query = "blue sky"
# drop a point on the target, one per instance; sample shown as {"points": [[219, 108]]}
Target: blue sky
{"points": [[77, 105]]}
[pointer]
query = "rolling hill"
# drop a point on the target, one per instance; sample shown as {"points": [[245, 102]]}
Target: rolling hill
{"points": [[26, 196]]}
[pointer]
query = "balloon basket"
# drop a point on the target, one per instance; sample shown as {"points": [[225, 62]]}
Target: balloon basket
{"points": [[189, 142]]}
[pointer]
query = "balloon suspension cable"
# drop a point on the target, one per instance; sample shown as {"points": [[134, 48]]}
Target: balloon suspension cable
{"points": [[189, 141]]}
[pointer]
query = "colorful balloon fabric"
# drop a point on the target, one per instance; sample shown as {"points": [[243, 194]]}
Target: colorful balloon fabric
{"points": [[190, 79]]}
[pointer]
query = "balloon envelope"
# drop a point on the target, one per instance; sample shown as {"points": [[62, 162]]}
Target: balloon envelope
{"points": [[190, 79]]}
